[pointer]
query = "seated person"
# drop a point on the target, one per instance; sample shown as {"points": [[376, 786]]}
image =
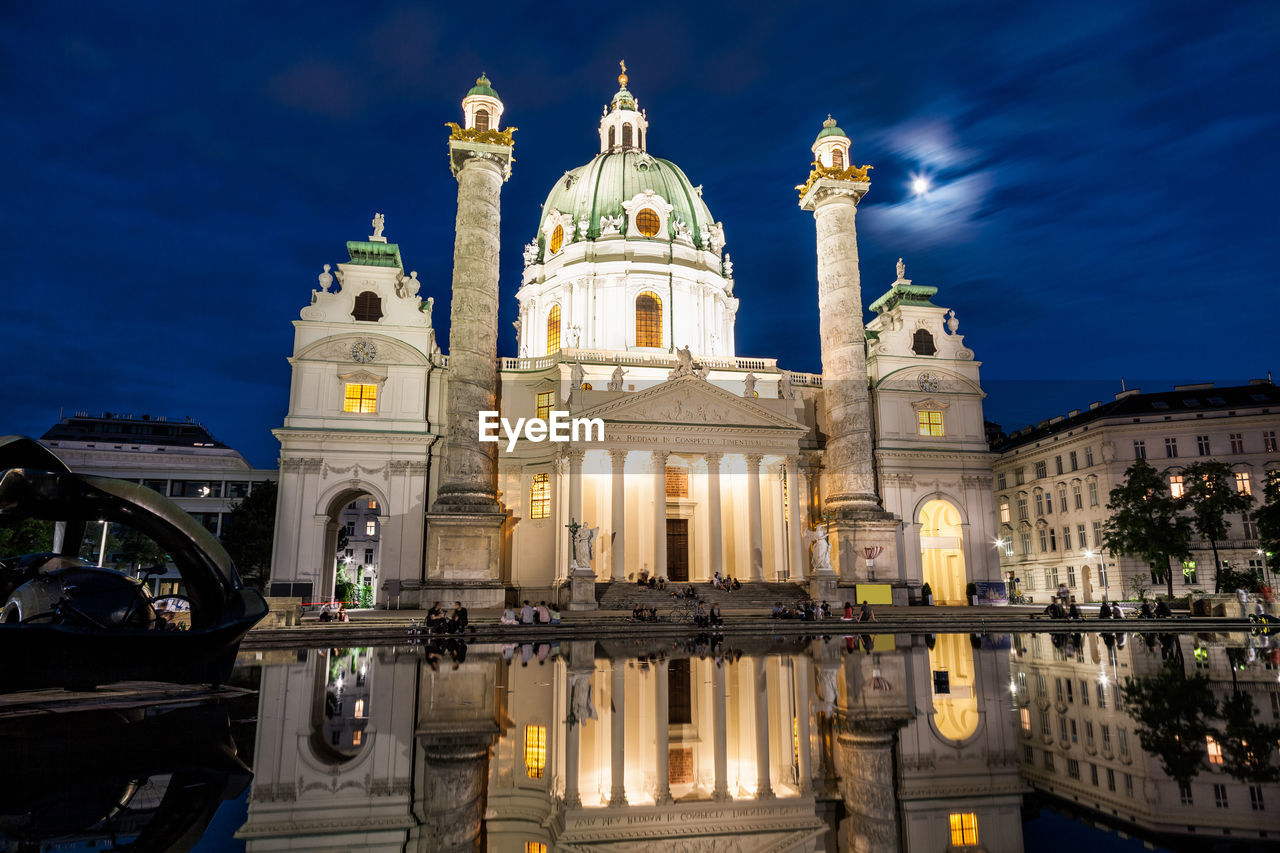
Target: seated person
{"points": [[714, 617], [509, 616], [526, 613], [1162, 610], [653, 582], [643, 578], [554, 613], [866, 615], [848, 611], [1116, 612], [653, 614], [637, 613], [1145, 610], [544, 615], [662, 583], [458, 621], [737, 585], [325, 615], [1073, 612], [435, 616], [825, 610], [700, 617]]}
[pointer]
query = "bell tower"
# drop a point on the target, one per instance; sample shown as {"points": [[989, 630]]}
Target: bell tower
{"points": [[624, 126]]}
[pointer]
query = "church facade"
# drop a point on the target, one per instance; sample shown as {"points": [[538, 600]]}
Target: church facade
{"points": [[874, 472]]}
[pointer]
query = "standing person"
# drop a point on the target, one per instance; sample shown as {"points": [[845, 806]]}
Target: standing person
{"points": [[1064, 595]]}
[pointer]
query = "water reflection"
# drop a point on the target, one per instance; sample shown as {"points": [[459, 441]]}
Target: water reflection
{"points": [[862, 743]]}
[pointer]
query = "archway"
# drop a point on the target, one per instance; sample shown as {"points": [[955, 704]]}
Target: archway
{"points": [[942, 551], [955, 696], [342, 703], [353, 547]]}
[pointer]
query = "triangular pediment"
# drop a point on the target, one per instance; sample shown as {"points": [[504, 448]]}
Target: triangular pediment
{"points": [[690, 400]]}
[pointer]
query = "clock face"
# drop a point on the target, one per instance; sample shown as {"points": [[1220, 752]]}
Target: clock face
{"points": [[363, 352], [928, 382]]}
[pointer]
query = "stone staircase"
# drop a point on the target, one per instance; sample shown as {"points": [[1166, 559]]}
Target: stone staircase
{"points": [[754, 595]]}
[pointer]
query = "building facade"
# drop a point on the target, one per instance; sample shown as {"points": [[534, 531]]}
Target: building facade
{"points": [[1053, 482], [708, 462]]}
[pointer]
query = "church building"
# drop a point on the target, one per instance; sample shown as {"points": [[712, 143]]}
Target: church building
{"points": [[701, 461]]}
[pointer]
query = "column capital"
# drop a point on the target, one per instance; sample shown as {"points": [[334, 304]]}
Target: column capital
{"points": [[574, 456], [467, 153], [753, 462], [659, 458], [618, 458], [821, 190], [713, 462]]}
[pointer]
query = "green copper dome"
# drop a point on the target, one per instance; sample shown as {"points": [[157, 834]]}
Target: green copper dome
{"points": [[482, 87], [600, 187], [829, 128]]}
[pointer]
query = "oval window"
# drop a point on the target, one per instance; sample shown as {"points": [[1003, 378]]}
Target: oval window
{"points": [[647, 222], [557, 239]]}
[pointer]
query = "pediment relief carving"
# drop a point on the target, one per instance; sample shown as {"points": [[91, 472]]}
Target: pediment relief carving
{"points": [[338, 348], [930, 403], [690, 400]]}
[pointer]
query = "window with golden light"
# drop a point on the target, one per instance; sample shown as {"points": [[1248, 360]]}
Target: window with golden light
{"points": [[837, 158], [930, 422], [535, 847], [557, 239], [360, 398], [677, 482], [964, 829], [553, 330], [546, 399], [540, 496], [482, 119], [648, 320], [535, 750], [647, 222]]}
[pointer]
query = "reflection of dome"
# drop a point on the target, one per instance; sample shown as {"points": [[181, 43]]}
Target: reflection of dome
{"points": [[600, 187]]}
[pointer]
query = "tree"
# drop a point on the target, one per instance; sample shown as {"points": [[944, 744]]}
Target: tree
{"points": [[1248, 744], [343, 541], [25, 536], [1172, 714], [1145, 523], [1267, 518], [248, 534], [135, 550], [1211, 495]]}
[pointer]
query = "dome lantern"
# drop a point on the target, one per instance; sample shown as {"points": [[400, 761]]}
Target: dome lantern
{"points": [[482, 108], [624, 127], [831, 148]]}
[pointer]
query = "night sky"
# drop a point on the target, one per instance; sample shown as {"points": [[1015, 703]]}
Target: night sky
{"points": [[1102, 178]]}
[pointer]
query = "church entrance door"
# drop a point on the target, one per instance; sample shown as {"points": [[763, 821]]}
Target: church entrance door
{"points": [[942, 552], [677, 549]]}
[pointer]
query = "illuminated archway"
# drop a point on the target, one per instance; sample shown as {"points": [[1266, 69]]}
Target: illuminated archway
{"points": [[955, 713], [942, 551]]}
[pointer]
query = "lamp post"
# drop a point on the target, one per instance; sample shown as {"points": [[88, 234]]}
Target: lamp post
{"points": [[102, 547], [1089, 554]]}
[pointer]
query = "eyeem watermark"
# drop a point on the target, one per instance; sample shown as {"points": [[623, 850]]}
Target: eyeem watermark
{"points": [[559, 427]]}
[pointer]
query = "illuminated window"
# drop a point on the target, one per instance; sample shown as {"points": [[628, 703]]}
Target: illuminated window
{"points": [[1004, 512], [359, 712], [546, 399], [371, 528], [1242, 483], [930, 422], [553, 330], [1269, 442], [1176, 486], [540, 496], [360, 398], [368, 307], [677, 482], [538, 846], [837, 158], [648, 319], [535, 750], [482, 119], [1214, 749], [356, 737], [1025, 716], [964, 829], [647, 221], [373, 504], [557, 239]]}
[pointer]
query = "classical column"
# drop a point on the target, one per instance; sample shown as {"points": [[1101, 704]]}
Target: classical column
{"points": [[800, 672], [764, 786], [755, 554], [796, 523], [719, 721], [575, 484], [455, 783], [619, 508], [714, 513], [661, 712], [578, 685], [868, 783], [659, 458], [618, 731]]}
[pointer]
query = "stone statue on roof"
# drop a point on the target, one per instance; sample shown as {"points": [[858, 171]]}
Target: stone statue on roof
{"points": [[378, 222]]}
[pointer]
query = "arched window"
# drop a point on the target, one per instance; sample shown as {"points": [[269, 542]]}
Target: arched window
{"points": [[626, 136], [553, 330], [922, 343], [368, 307], [837, 158], [648, 320], [647, 222], [612, 136], [482, 119], [557, 239], [640, 137]]}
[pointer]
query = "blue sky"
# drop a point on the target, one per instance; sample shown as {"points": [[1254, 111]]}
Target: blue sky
{"points": [[178, 173]]}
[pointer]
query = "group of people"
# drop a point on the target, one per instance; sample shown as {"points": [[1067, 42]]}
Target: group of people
{"points": [[727, 582], [651, 581], [329, 613], [531, 614], [809, 610], [439, 622]]}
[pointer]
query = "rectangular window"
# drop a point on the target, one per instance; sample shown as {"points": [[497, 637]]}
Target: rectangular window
{"points": [[1045, 727], [1066, 540], [1018, 477], [371, 528], [1062, 500], [1097, 534], [1124, 741], [1111, 779], [1249, 530], [540, 496], [1039, 504], [1048, 759], [1073, 768], [1004, 512], [360, 398], [535, 847], [1052, 574], [1106, 733], [1093, 773], [1084, 543], [1093, 493], [1219, 795], [1242, 483], [195, 488], [1075, 466], [1088, 457], [1044, 540], [1000, 481], [1048, 503], [1184, 794], [1177, 488], [1053, 539], [1006, 542], [1061, 697], [1025, 536], [1171, 448], [368, 556], [1022, 509], [1088, 727], [1041, 688], [1042, 470], [1057, 463], [1024, 715], [535, 750], [964, 829], [1255, 798], [546, 399], [1128, 785], [236, 489], [1084, 694], [1237, 442], [1075, 735], [1071, 570], [1214, 751], [1028, 755], [351, 529], [930, 423], [1202, 445], [1077, 499], [1269, 442], [1139, 449], [677, 482]]}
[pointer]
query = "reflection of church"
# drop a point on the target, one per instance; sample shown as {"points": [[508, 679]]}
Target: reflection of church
{"points": [[802, 747], [711, 461]]}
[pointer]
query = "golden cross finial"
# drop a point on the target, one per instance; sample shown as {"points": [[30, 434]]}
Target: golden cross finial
{"points": [[622, 78]]}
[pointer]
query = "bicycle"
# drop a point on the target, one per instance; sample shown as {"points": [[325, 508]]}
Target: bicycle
{"points": [[1019, 598], [685, 611]]}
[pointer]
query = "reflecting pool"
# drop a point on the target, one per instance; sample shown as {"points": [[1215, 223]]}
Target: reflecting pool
{"points": [[859, 743]]}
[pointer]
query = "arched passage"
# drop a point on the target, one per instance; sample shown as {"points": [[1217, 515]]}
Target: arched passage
{"points": [[942, 551], [353, 546], [955, 712]]}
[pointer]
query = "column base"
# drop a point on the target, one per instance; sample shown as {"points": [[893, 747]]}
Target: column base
{"points": [[822, 586], [856, 531], [582, 589], [464, 558]]}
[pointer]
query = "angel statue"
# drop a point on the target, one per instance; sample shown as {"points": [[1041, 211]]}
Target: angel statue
{"points": [[684, 363], [584, 550], [580, 699], [379, 222], [615, 381], [820, 556], [578, 375]]}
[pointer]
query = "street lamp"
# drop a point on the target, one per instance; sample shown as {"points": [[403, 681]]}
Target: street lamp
{"points": [[1089, 554], [102, 548]]}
